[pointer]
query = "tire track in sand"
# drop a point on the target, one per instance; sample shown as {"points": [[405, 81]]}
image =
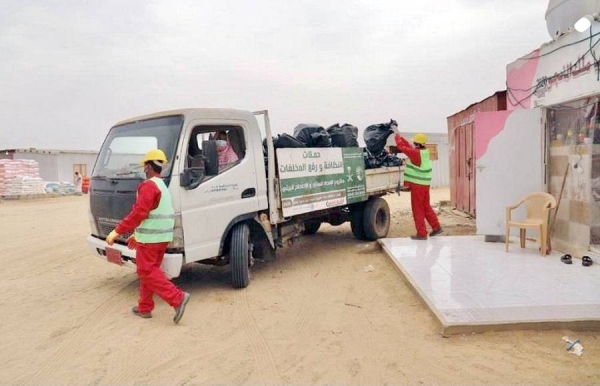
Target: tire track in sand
{"points": [[74, 342], [263, 356]]}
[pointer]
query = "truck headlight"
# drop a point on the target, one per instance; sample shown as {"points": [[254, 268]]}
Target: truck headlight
{"points": [[177, 242]]}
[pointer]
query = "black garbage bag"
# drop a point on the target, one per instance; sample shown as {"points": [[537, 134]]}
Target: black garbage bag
{"points": [[391, 160], [343, 136], [376, 136], [380, 160], [370, 161], [312, 135], [285, 141]]}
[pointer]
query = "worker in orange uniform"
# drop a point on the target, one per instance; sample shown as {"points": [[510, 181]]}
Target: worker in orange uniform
{"points": [[153, 219], [417, 177]]}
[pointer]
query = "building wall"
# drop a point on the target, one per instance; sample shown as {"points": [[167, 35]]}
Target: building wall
{"points": [[67, 160], [560, 76], [58, 166], [48, 164]]}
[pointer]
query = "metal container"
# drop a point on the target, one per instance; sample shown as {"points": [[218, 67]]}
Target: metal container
{"points": [[461, 135]]}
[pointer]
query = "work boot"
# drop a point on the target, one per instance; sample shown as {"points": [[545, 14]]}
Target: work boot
{"points": [[144, 315], [179, 310], [436, 232], [418, 237]]}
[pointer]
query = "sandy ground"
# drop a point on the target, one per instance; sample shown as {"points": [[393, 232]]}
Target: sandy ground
{"points": [[313, 316]]}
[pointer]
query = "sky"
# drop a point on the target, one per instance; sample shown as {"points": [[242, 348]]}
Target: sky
{"points": [[70, 69]]}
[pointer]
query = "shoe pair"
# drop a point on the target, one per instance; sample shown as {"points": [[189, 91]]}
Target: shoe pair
{"points": [[178, 310], [586, 261]]}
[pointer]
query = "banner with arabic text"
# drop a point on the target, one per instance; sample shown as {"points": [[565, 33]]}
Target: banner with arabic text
{"points": [[312, 179]]}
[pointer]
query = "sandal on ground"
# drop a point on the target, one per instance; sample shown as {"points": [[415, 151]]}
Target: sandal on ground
{"points": [[586, 261], [567, 259]]}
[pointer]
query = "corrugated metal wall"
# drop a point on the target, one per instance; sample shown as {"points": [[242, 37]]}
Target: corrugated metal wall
{"points": [[441, 167]]}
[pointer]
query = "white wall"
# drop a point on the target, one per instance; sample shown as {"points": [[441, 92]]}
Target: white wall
{"points": [[67, 160], [48, 164], [59, 166]]}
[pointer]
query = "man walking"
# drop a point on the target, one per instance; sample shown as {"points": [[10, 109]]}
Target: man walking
{"points": [[78, 182], [417, 177], [153, 218]]}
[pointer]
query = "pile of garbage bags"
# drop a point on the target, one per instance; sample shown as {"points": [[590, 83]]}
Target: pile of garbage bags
{"points": [[346, 135]]}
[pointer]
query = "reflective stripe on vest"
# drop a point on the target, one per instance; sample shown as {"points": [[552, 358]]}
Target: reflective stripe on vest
{"points": [[158, 226], [420, 175]]}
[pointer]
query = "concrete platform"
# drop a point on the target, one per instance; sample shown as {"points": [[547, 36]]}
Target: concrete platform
{"points": [[474, 286]]}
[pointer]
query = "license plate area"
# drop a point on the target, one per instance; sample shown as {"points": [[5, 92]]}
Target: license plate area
{"points": [[114, 256]]}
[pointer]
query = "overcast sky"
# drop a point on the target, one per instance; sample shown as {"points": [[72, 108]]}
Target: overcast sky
{"points": [[70, 69]]}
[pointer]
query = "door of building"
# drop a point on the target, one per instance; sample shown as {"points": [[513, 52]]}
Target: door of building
{"points": [[464, 173]]}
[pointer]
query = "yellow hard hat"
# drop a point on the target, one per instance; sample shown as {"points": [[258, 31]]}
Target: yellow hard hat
{"points": [[154, 155], [420, 139]]}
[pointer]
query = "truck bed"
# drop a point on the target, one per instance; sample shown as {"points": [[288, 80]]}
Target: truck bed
{"points": [[382, 180]]}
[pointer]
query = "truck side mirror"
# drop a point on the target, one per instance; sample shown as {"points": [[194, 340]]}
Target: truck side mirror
{"points": [[211, 158]]}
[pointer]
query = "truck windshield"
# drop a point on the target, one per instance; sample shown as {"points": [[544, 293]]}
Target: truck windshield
{"points": [[126, 145]]}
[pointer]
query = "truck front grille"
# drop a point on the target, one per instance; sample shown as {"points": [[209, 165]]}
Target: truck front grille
{"points": [[105, 227]]}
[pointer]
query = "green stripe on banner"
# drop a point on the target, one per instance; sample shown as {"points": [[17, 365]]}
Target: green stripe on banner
{"points": [[302, 186]]}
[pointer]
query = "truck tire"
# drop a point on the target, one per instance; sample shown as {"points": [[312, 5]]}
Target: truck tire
{"points": [[356, 221], [311, 227], [239, 256], [376, 220]]}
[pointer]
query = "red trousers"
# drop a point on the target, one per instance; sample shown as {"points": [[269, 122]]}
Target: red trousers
{"points": [[153, 280], [421, 208]]}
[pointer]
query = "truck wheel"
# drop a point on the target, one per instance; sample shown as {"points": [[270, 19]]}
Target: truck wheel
{"points": [[356, 221], [376, 221], [239, 256], [311, 227]]}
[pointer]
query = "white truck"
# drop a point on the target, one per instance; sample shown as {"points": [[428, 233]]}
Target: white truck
{"points": [[231, 214]]}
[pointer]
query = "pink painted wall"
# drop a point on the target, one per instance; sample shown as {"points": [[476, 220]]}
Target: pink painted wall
{"points": [[520, 80], [488, 125]]}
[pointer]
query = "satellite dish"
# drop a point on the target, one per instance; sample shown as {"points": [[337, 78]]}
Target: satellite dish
{"points": [[562, 15]]}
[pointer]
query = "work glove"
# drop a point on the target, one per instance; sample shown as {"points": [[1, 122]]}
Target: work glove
{"points": [[110, 239], [131, 243]]}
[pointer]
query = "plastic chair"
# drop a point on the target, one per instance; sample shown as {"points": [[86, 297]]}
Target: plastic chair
{"points": [[538, 207]]}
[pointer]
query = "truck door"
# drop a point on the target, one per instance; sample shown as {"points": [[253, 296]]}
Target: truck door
{"points": [[509, 161], [209, 208]]}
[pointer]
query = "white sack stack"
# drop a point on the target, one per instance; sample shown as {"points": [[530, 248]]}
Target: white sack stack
{"points": [[20, 177]]}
